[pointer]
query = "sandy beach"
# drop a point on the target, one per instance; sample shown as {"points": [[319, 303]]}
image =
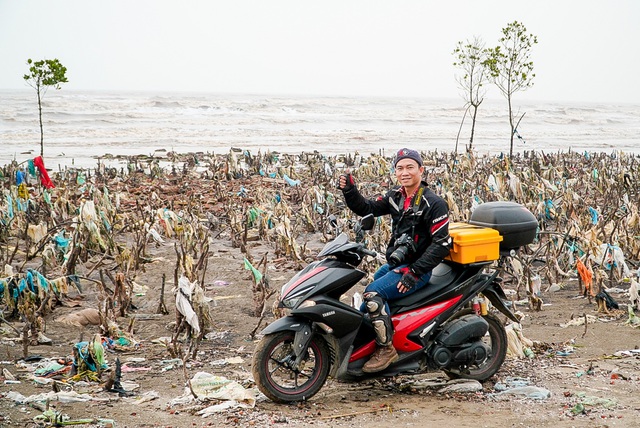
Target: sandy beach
{"points": [[104, 249]]}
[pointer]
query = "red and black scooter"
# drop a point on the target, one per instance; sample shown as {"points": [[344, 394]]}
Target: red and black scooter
{"points": [[436, 328]]}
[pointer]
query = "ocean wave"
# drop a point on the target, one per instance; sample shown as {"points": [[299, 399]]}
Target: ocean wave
{"points": [[87, 125]]}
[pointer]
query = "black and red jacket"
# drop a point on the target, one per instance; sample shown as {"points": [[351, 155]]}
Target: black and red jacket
{"points": [[426, 219]]}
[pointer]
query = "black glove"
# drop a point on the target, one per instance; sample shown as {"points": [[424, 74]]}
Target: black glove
{"points": [[350, 182], [409, 279]]}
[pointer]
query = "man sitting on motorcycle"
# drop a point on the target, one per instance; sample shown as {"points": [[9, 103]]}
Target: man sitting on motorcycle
{"points": [[419, 241]]}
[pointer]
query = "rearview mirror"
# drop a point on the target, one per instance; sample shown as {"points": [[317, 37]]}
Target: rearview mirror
{"points": [[333, 221], [367, 222]]}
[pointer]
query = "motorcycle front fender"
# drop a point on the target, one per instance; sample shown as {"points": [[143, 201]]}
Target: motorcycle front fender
{"points": [[302, 338], [287, 323]]}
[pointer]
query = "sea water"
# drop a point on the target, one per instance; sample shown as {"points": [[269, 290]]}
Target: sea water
{"points": [[82, 127]]}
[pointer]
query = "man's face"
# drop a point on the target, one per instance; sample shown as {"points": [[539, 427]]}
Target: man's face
{"points": [[408, 172]]}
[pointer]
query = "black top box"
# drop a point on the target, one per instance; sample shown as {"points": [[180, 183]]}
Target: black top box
{"points": [[515, 223]]}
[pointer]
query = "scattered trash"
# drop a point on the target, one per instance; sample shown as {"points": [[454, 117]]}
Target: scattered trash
{"points": [[515, 386], [608, 300], [611, 256], [626, 354], [592, 401], [578, 409], [225, 361], [7, 374], [183, 302], [143, 398], [577, 321], [257, 275], [62, 397], [81, 318], [533, 392], [356, 300], [171, 364], [634, 294], [172, 224], [461, 386], [564, 352], [554, 288], [633, 320], [210, 387], [536, 284], [57, 419], [518, 346], [290, 181], [88, 357], [51, 368]]}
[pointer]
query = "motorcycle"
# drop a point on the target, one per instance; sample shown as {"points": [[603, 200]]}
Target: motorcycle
{"points": [[439, 327]]}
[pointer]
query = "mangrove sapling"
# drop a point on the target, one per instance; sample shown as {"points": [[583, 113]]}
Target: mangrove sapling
{"points": [[42, 75], [510, 67], [470, 58]]}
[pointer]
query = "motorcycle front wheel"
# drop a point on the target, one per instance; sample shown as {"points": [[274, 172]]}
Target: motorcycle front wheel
{"points": [[275, 373], [496, 340]]}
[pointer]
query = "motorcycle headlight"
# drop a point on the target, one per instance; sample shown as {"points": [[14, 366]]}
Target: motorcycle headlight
{"points": [[294, 298], [292, 302]]}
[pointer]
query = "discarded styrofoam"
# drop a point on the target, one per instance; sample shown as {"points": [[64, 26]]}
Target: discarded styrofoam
{"points": [[467, 385], [533, 392]]}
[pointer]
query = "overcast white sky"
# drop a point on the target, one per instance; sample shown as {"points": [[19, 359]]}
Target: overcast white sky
{"points": [[588, 50]]}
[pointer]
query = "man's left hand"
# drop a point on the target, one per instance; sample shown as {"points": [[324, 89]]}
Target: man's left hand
{"points": [[408, 281]]}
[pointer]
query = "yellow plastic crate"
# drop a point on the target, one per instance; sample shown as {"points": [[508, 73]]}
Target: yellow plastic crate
{"points": [[473, 244]]}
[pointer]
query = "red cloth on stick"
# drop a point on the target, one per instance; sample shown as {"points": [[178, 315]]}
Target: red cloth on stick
{"points": [[44, 176]]}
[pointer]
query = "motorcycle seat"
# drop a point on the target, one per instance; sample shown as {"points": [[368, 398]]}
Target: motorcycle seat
{"points": [[442, 276]]}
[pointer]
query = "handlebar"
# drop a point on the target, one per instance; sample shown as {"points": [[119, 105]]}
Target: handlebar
{"points": [[369, 252]]}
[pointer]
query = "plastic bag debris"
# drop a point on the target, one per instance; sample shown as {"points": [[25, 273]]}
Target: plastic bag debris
{"points": [[89, 355], [210, 387], [577, 321], [520, 387], [610, 256], [633, 320], [183, 304], [62, 397], [588, 400], [518, 346], [206, 385], [634, 294], [356, 300], [609, 301], [627, 353]]}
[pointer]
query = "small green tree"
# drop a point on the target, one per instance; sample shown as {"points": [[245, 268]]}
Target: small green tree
{"points": [[470, 58], [510, 66], [42, 75]]}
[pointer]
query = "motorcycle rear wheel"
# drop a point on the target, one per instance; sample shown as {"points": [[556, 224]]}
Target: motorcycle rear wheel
{"points": [[496, 339], [275, 375]]}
